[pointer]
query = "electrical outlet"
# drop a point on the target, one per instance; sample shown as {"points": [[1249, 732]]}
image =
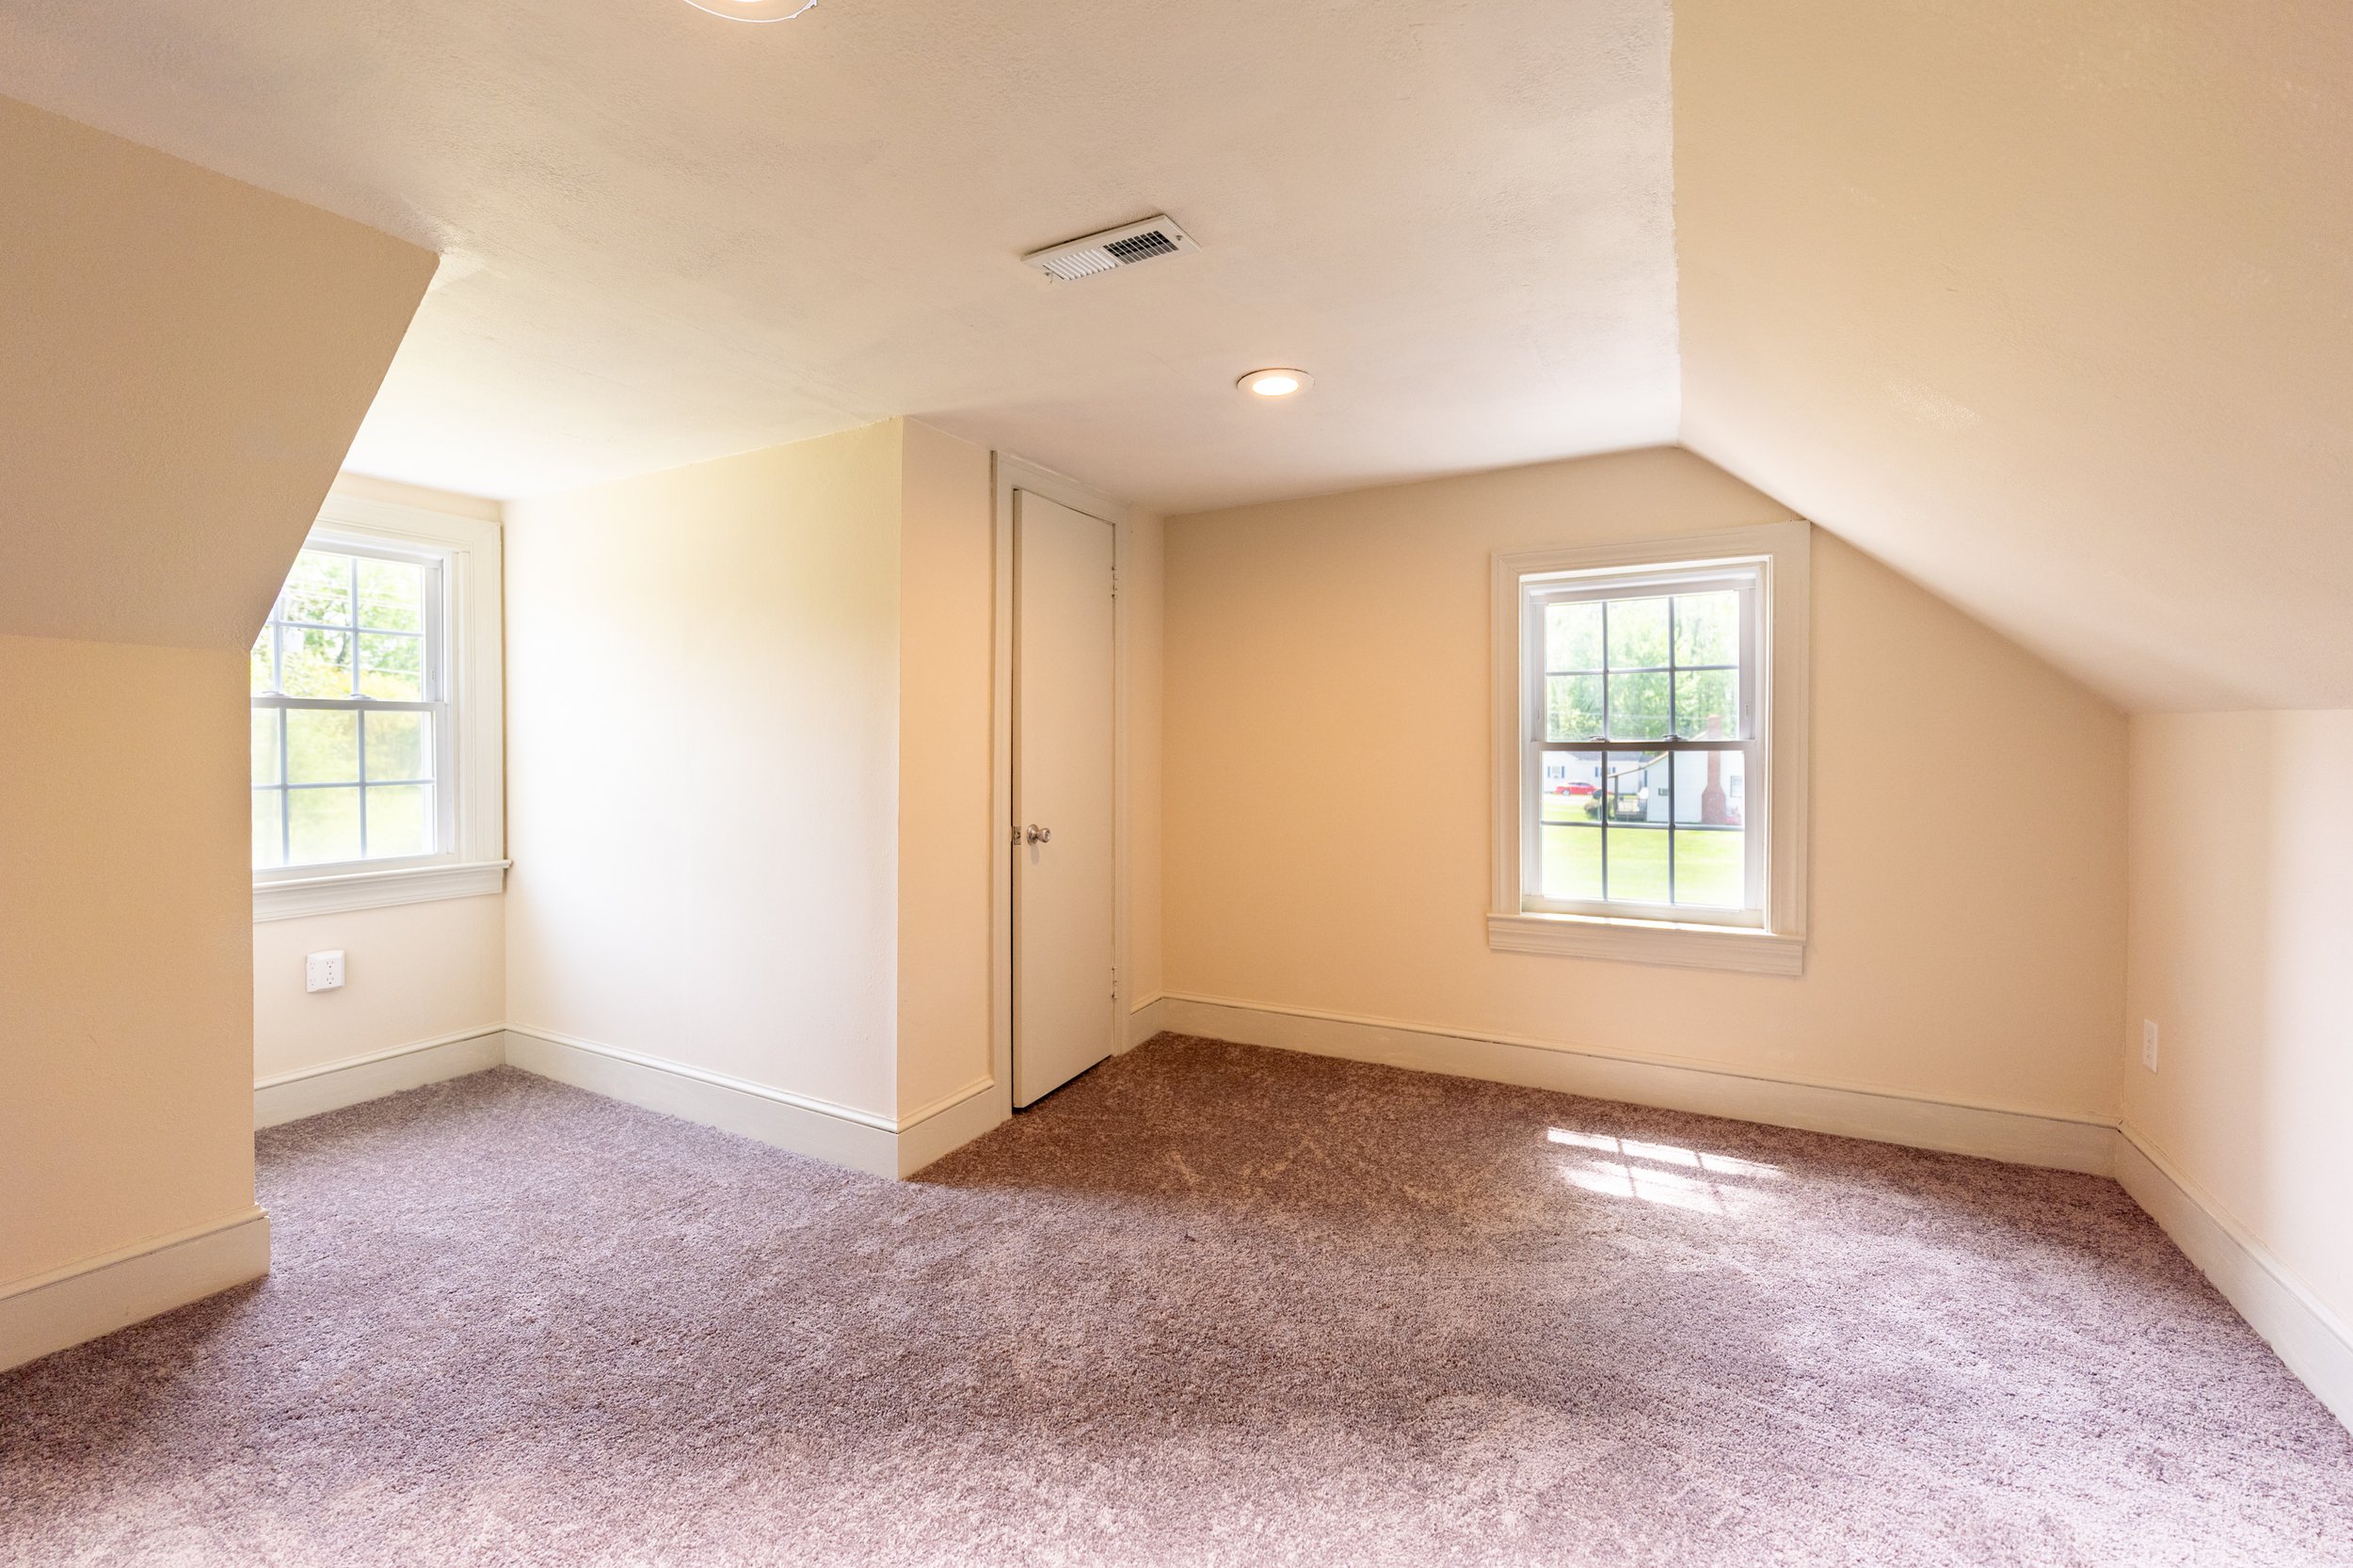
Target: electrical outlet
{"points": [[2148, 1043], [323, 971]]}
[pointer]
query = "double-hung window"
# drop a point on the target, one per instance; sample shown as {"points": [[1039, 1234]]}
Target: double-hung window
{"points": [[1650, 757], [1642, 743], [375, 765], [351, 711]]}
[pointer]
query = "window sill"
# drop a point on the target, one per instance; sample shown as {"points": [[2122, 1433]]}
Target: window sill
{"points": [[340, 894], [1698, 947]]}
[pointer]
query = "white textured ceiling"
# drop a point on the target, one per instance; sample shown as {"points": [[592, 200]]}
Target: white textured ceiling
{"points": [[668, 237]]}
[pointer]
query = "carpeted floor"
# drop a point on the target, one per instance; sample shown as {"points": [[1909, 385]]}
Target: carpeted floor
{"points": [[1210, 1304]]}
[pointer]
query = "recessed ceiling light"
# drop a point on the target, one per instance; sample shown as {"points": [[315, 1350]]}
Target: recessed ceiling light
{"points": [[1275, 383], [755, 10]]}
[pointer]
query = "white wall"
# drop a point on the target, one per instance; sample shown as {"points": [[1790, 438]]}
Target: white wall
{"points": [[749, 771], [413, 972], [702, 766], [1327, 816], [2242, 952]]}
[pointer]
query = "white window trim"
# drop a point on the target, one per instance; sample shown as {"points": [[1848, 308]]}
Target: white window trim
{"points": [[474, 862], [1784, 549]]}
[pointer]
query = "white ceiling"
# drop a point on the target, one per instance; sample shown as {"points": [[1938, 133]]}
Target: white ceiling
{"points": [[668, 237]]}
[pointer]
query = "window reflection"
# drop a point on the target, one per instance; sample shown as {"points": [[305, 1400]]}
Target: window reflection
{"points": [[1664, 1173]]}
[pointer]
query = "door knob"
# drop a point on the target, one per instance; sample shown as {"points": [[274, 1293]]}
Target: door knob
{"points": [[1040, 835]]}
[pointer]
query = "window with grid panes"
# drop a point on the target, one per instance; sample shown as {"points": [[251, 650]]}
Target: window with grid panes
{"points": [[351, 711], [1643, 784]]}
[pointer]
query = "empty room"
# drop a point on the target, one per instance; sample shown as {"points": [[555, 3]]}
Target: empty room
{"points": [[998, 782]]}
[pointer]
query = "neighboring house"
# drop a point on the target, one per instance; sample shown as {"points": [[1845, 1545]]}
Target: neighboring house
{"points": [[1639, 785]]}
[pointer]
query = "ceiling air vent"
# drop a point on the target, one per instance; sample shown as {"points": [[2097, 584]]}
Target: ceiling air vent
{"points": [[1111, 249]]}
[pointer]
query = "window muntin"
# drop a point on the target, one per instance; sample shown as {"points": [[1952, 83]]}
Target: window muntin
{"points": [[1643, 774], [351, 715]]}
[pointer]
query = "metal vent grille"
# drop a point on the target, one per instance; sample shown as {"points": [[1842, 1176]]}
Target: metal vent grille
{"points": [[1142, 248], [1112, 249]]}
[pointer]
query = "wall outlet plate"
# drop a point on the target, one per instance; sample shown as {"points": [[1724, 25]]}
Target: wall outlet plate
{"points": [[323, 971], [2148, 1043]]}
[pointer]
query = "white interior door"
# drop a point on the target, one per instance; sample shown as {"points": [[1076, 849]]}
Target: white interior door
{"points": [[1064, 717]]}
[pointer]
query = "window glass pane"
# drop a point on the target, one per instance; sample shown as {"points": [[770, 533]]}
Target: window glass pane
{"points": [[1711, 801], [398, 747], [314, 662], [266, 745], [268, 846], [318, 589], [1572, 707], [391, 595], [1708, 705], [263, 676], [1638, 864], [1710, 787], [1573, 636], [1636, 786], [1708, 628], [1572, 864], [1635, 794], [323, 748], [1638, 633], [1711, 867], [391, 668], [1569, 787], [324, 824], [399, 821], [1638, 706]]}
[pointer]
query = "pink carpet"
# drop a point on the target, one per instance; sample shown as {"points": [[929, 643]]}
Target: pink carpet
{"points": [[1210, 1304]]}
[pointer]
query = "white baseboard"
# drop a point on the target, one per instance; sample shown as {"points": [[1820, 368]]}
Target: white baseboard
{"points": [[2314, 1341], [802, 1124], [936, 1130], [1145, 1019], [99, 1295], [290, 1096], [2020, 1137]]}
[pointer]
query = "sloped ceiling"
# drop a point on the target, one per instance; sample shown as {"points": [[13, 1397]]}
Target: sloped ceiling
{"points": [[671, 236], [2051, 307], [184, 361]]}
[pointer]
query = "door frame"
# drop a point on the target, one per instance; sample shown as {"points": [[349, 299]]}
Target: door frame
{"points": [[1009, 473]]}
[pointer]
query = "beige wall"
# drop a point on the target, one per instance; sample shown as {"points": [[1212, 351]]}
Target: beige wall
{"points": [[946, 615], [1142, 585], [126, 1106], [702, 765], [1326, 805], [182, 362], [2242, 949]]}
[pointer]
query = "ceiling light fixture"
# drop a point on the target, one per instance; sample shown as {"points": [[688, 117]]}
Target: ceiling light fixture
{"points": [[1275, 383], [755, 10]]}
